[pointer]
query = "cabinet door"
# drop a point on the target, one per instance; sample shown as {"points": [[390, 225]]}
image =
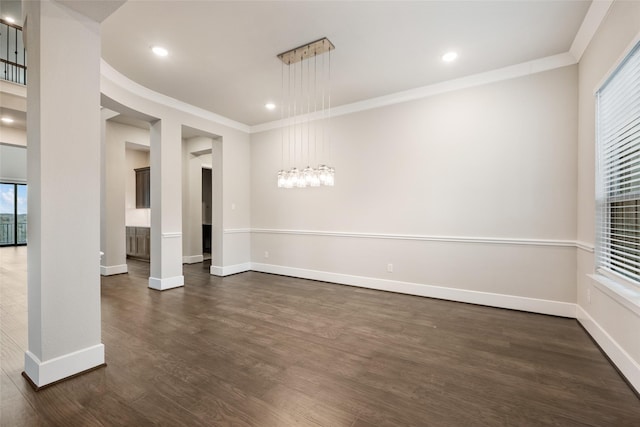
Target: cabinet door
{"points": [[143, 188], [147, 252], [131, 241], [142, 242]]}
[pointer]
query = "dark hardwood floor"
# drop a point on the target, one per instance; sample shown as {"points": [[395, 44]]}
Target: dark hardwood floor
{"points": [[263, 350]]}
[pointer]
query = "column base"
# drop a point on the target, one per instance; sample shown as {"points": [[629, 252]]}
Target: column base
{"points": [[216, 270], [110, 270], [166, 283], [41, 374]]}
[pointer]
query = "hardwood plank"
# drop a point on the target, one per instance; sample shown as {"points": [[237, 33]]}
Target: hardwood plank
{"points": [[263, 350], [15, 410]]}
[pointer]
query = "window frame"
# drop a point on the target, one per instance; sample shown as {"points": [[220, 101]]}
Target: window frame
{"points": [[15, 214], [605, 199]]}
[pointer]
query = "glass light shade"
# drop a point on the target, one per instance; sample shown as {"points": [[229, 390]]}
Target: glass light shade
{"points": [[315, 179], [322, 174], [307, 174], [331, 177], [294, 175], [289, 180], [293, 146]]}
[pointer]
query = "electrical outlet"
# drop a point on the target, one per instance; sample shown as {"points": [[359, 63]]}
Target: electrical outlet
{"points": [[390, 268], [266, 254]]}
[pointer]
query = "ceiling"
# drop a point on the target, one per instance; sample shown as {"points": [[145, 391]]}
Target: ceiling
{"points": [[223, 54], [19, 117], [12, 8]]}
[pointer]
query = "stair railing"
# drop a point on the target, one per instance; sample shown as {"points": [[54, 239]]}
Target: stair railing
{"points": [[13, 58]]}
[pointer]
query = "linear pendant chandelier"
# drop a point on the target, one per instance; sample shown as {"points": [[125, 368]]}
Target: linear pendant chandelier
{"points": [[306, 115]]}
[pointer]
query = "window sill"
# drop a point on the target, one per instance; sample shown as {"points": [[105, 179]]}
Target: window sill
{"points": [[627, 295]]}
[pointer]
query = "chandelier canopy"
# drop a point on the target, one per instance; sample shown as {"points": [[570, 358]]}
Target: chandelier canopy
{"points": [[306, 116]]}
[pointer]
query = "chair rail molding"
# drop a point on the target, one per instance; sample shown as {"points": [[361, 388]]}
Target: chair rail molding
{"points": [[426, 238]]}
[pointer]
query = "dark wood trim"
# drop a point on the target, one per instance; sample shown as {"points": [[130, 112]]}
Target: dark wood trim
{"points": [[38, 388], [9, 24], [14, 64]]}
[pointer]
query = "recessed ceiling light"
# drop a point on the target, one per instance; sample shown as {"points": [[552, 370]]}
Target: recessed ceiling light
{"points": [[10, 19], [270, 106], [449, 56], [160, 51], [7, 120]]}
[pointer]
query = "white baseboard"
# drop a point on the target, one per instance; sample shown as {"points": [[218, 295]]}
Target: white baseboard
{"points": [[533, 305], [192, 259], [110, 270], [623, 361], [166, 283], [230, 269], [50, 371]]}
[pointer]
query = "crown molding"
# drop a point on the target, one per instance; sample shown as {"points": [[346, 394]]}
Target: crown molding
{"points": [[592, 20], [500, 74], [111, 74]]}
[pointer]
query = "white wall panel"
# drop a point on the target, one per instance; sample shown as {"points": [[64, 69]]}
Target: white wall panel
{"points": [[495, 161]]}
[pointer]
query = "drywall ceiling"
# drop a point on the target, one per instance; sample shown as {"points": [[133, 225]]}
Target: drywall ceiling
{"points": [[12, 9], [223, 54], [130, 121], [19, 117]]}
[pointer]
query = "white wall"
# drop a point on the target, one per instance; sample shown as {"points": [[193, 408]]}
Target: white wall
{"points": [[197, 152], [10, 135], [612, 323], [14, 98], [13, 163], [445, 180], [196, 155], [231, 156], [119, 189]]}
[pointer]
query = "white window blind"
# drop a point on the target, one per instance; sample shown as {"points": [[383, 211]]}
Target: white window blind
{"points": [[618, 171]]}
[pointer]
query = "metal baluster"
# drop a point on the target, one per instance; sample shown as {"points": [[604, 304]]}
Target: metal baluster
{"points": [[15, 70], [15, 54], [8, 32]]}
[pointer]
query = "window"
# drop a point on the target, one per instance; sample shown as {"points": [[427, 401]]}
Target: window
{"points": [[618, 171], [13, 214]]}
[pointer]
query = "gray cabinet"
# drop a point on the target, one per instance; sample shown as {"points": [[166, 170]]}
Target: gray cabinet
{"points": [[139, 242]]}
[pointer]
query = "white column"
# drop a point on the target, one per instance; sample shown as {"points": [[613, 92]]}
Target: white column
{"points": [[217, 230], [166, 205], [112, 200], [192, 222], [63, 134]]}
